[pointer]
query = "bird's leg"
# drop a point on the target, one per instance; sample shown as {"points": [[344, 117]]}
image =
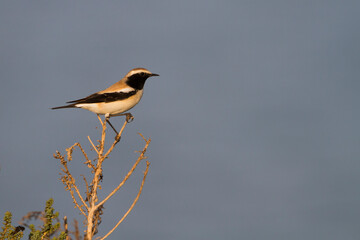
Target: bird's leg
{"points": [[117, 137], [107, 119]]}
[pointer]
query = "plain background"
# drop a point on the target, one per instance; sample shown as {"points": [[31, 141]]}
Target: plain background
{"points": [[254, 119]]}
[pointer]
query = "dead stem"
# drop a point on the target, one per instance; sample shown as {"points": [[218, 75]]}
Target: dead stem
{"points": [[90, 208]]}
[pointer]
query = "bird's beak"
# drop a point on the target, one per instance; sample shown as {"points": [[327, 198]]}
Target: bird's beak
{"points": [[154, 74]]}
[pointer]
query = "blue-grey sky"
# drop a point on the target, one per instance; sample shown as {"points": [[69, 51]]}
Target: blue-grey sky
{"points": [[254, 118]]}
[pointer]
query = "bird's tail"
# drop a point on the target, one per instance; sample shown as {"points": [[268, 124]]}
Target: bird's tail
{"points": [[66, 106]]}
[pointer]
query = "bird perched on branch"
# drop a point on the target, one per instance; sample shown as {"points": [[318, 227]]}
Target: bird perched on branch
{"points": [[116, 99]]}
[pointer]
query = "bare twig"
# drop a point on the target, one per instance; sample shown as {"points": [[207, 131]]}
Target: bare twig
{"points": [[76, 233], [69, 182], [103, 134], [88, 161], [95, 148], [133, 204], [87, 188], [73, 185], [141, 157], [66, 228]]}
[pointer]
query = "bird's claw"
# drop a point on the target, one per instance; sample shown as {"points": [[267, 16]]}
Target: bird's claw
{"points": [[117, 138], [129, 118]]}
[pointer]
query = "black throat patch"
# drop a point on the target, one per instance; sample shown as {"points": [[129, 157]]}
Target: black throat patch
{"points": [[137, 80]]}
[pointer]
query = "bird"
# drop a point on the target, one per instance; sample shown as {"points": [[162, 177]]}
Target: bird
{"points": [[116, 99]]}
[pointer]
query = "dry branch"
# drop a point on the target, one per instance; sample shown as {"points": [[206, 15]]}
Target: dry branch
{"points": [[89, 204]]}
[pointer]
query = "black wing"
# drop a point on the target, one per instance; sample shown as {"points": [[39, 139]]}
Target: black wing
{"points": [[105, 97]]}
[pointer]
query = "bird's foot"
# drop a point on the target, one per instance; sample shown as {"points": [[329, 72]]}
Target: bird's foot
{"points": [[117, 138], [129, 117]]}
